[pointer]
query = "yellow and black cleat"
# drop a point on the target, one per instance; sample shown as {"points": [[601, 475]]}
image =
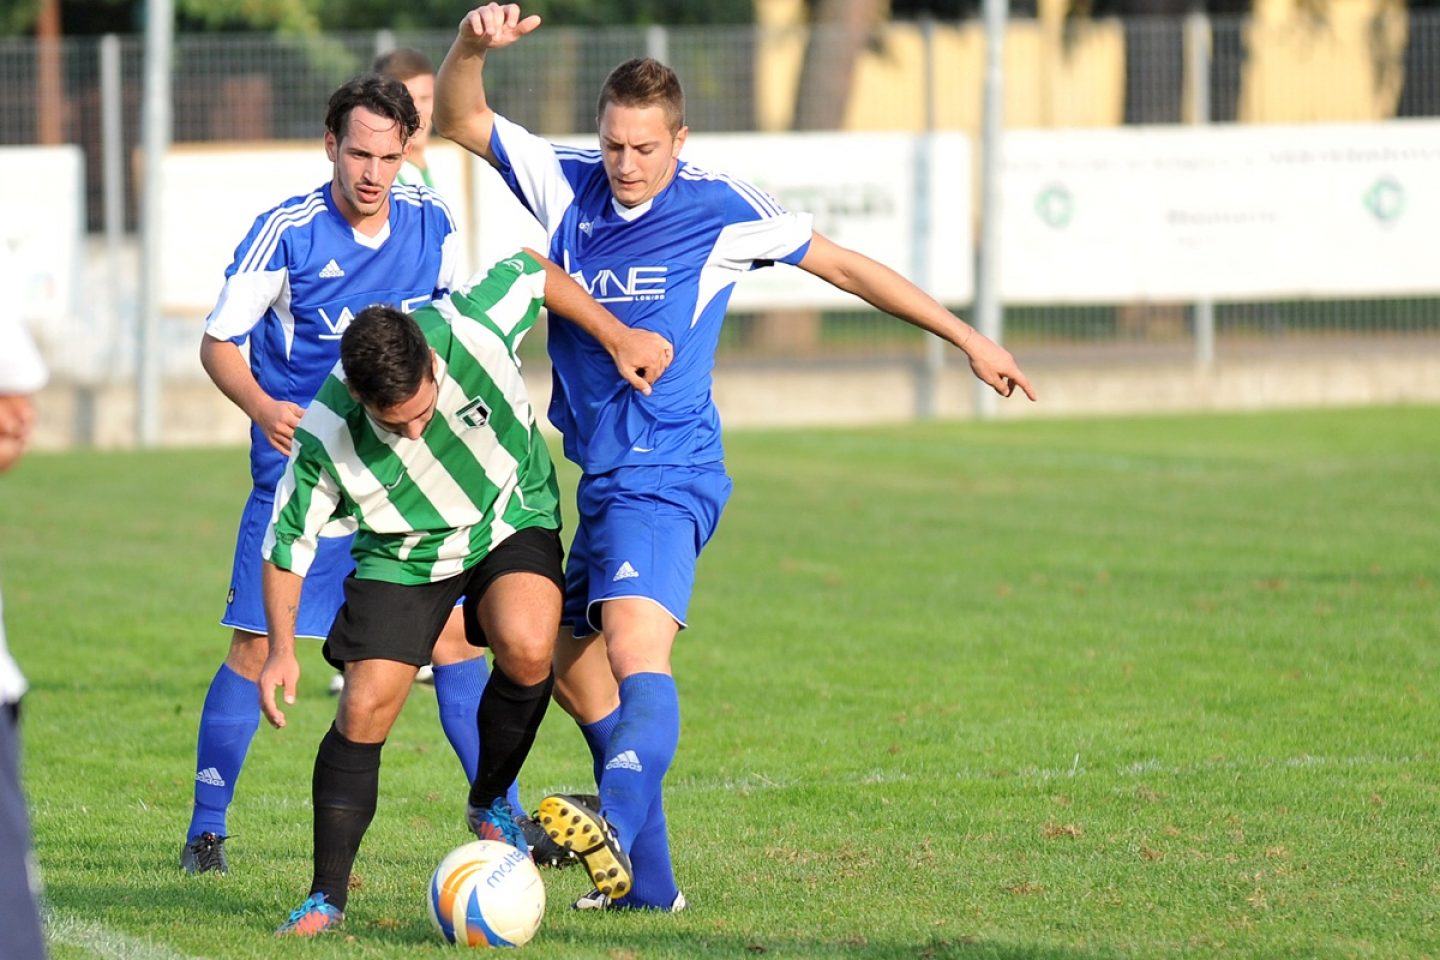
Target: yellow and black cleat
{"points": [[576, 827]]}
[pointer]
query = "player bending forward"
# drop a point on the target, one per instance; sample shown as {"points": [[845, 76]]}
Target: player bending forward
{"points": [[426, 437]]}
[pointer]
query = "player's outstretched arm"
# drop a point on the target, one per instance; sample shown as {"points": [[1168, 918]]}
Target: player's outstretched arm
{"points": [[226, 365], [281, 590], [886, 290], [462, 113], [641, 356]]}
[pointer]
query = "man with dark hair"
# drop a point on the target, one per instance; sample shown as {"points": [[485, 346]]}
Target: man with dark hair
{"points": [[426, 437], [633, 208], [414, 69], [303, 271]]}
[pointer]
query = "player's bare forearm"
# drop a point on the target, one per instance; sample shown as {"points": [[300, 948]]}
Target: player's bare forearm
{"points": [[226, 366], [886, 290], [281, 592], [462, 112], [641, 356]]}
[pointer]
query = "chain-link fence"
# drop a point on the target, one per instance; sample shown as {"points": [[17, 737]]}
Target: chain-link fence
{"points": [[1155, 70]]}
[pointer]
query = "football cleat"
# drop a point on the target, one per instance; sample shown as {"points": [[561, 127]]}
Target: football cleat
{"points": [[544, 851], [204, 854], [595, 900], [311, 918], [496, 822], [575, 826]]}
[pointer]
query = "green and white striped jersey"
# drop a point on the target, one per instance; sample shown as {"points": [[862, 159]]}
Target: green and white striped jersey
{"points": [[427, 509]]}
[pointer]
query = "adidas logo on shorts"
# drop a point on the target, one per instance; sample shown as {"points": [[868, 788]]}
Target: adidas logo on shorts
{"points": [[626, 572]]}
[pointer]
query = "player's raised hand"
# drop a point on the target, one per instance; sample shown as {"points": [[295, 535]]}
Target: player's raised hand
{"points": [[994, 365], [280, 670], [642, 356], [277, 419], [496, 25]]}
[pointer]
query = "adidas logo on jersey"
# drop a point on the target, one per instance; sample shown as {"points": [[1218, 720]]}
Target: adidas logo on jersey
{"points": [[626, 572], [211, 776], [331, 271], [625, 760], [586, 226]]}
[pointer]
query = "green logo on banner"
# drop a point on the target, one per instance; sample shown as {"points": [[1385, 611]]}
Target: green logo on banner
{"points": [[1385, 199], [1055, 206]]}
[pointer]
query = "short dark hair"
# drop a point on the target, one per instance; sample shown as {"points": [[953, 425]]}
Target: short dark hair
{"points": [[644, 82], [385, 96], [385, 356], [404, 63]]}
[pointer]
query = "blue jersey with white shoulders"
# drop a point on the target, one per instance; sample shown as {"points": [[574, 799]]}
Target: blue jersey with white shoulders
{"points": [[303, 272], [667, 265]]}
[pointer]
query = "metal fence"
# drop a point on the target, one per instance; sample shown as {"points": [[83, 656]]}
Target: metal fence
{"points": [[252, 87]]}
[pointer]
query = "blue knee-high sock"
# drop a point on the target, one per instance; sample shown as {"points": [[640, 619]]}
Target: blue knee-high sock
{"points": [[641, 748], [228, 722], [597, 738], [458, 687], [655, 884]]}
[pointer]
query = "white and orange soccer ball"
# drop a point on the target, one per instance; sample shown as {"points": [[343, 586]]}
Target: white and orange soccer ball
{"points": [[487, 894]]}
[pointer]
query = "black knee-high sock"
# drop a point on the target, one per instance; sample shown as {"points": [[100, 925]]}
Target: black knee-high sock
{"points": [[344, 790], [509, 717]]}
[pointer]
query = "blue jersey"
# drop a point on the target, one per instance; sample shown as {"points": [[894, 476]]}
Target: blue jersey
{"points": [[300, 276], [667, 265]]}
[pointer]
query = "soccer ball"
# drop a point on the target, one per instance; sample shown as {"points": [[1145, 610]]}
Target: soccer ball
{"points": [[487, 894]]}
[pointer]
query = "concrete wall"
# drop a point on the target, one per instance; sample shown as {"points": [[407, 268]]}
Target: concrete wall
{"points": [[1080, 381]]}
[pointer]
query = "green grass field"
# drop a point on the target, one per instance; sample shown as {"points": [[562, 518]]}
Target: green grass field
{"points": [[1065, 689]]}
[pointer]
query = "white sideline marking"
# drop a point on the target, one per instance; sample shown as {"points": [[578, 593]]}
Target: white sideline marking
{"points": [[102, 941]]}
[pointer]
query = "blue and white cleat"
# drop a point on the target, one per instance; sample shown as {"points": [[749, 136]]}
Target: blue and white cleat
{"points": [[312, 918], [595, 900], [497, 822]]}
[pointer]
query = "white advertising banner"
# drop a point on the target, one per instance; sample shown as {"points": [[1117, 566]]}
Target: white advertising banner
{"points": [[865, 191], [901, 199], [1220, 213], [43, 230]]}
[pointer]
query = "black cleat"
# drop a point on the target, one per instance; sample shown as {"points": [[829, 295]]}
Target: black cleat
{"points": [[544, 851], [204, 854]]}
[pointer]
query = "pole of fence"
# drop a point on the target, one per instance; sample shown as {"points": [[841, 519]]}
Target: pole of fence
{"points": [[989, 315], [155, 136], [112, 186], [657, 43], [384, 41], [927, 384], [1197, 69]]}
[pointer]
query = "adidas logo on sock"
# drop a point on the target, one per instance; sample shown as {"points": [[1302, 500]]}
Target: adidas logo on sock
{"points": [[331, 271], [625, 760], [626, 572], [211, 776]]}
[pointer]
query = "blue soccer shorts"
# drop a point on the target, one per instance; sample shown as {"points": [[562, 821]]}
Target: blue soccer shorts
{"points": [[640, 533], [320, 597]]}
